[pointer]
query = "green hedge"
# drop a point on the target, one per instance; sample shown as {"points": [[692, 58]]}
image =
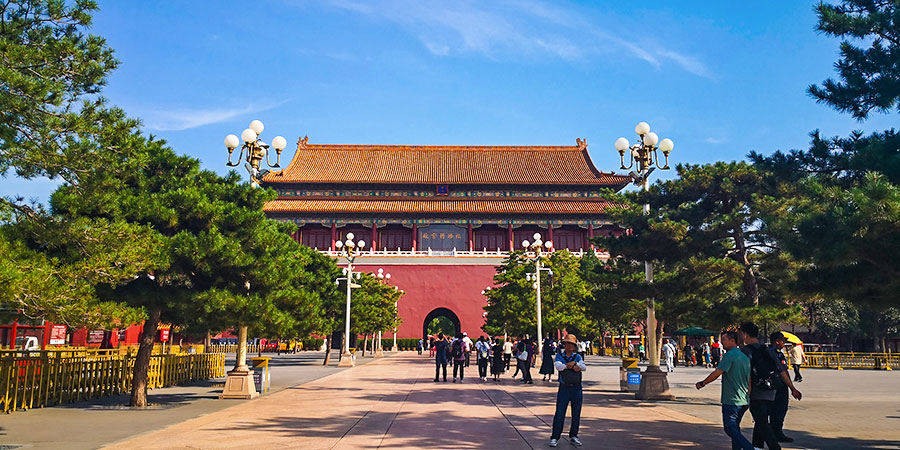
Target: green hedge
{"points": [[408, 344]]}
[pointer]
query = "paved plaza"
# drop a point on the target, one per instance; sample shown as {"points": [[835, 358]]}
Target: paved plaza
{"points": [[393, 403]]}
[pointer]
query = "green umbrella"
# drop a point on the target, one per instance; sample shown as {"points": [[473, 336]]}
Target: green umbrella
{"points": [[693, 331]]}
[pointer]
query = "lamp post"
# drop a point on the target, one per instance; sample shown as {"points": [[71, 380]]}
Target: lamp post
{"points": [[253, 150], [643, 155], [537, 246], [349, 250], [379, 351]]}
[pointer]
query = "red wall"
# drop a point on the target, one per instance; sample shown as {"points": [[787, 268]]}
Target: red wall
{"points": [[455, 287]]}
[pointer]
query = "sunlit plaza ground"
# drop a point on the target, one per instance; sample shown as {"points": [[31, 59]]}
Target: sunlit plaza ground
{"points": [[393, 403]]}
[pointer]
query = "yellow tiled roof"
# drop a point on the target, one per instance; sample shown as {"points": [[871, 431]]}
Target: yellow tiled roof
{"points": [[528, 165]]}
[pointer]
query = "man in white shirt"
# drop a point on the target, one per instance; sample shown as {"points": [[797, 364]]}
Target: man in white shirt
{"points": [[469, 346], [507, 352], [669, 350]]}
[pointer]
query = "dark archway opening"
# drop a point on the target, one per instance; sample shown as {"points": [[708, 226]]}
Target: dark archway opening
{"points": [[445, 319]]}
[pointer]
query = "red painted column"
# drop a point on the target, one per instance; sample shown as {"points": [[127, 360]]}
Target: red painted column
{"points": [[471, 239], [15, 330], [47, 327], [415, 239], [509, 234], [374, 237], [333, 235]]}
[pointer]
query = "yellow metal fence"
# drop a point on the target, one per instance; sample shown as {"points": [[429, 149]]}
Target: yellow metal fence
{"points": [[46, 378], [850, 360]]}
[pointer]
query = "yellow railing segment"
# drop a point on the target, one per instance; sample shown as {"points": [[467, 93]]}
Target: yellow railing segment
{"points": [[51, 377], [852, 360]]}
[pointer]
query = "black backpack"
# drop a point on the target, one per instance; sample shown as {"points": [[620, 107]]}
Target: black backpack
{"points": [[763, 370], [456, 351]]}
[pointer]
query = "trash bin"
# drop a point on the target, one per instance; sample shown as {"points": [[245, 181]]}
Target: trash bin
{"points": [[629, 375], [261, 374]]}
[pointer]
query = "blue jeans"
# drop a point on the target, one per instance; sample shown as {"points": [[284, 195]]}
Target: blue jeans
{"points": [[731, 418], [564, 396]]}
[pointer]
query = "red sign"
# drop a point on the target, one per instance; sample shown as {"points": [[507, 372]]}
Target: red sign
{"points": [[58, 335], [164, 335]]}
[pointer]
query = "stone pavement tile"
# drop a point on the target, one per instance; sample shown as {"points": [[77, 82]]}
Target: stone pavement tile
{"points": [[392, 403]]}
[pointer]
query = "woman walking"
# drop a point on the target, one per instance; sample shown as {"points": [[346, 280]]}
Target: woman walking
{"points": [[498, 365], [483, 350], [570, 366], [548, 354]]}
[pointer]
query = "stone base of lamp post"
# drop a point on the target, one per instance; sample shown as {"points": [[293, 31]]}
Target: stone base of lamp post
{"points": [[346, 360], [239, 384], [379, 352], [654, 385], [394, 349]]}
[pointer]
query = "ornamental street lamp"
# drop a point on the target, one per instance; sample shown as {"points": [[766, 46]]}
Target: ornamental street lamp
{"points": [[255, 150], [537, 246], [385, 277], [349, 250], [654, 385]]}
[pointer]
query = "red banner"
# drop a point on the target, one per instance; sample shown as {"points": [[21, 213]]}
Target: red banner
{"points": [[164, 335], [58, 335]]}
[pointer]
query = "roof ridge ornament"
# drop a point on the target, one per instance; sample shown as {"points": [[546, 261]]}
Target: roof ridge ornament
{"points": [[582, 143], [301, 143]]}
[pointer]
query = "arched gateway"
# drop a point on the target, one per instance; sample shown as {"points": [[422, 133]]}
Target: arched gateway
{"points": [[438, 313], [440, 219]]}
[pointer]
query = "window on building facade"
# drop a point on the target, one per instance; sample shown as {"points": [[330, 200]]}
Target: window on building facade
{"points": [[317, 239], [490, 238]]}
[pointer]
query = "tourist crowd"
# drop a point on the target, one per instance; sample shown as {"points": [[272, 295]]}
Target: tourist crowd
{"points": [[565, 356]]}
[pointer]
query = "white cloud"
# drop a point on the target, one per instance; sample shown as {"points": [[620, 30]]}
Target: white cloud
{"points": [[713, 140], [185, 119], [514, 28]]}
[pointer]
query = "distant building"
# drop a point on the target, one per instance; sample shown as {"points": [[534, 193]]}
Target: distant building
{"points": [[441, 218]]}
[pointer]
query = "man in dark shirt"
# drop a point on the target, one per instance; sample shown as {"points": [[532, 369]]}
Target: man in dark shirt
{"points": [[765, 370], [440, 357], [780, 406]]}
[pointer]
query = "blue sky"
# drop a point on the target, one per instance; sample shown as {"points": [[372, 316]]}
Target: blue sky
{"points": [[718, 78]]}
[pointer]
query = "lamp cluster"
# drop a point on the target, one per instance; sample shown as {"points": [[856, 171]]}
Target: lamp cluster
{"points": [[349, 247], [644, 152], [255, 150], [537, 244]]}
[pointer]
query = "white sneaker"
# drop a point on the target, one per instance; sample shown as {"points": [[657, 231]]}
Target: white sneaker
{"points": [[553, 442], [575, 441], [460, 380]]}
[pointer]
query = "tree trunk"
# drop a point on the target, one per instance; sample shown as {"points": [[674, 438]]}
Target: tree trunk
{"points": [[207, 342], [365, 345], [751, 288], [327, 349], [142, 360]]}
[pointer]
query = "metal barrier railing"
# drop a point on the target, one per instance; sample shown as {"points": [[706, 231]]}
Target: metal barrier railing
{"points": [[852, 360], [232, 348], [46, 378]]}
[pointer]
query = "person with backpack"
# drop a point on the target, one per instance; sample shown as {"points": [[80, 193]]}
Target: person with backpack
{"points": [[440, 357], [735, 371], [570, 366], [419, 346], [765, 371], [518, 349], [528, 362], [458, 351], [483, 350]]}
